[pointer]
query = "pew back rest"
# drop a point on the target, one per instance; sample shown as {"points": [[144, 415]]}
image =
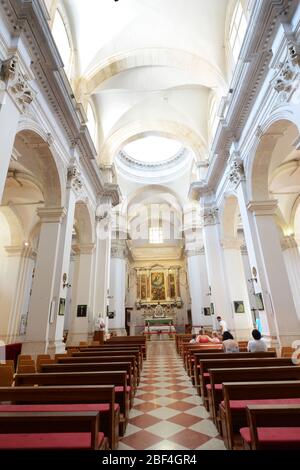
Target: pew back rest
{"points": [[206, 364], [218, 376], [260, 390]]}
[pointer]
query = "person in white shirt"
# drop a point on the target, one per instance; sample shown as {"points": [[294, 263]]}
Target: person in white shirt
{"points": [[257, 344], [222, 324]]}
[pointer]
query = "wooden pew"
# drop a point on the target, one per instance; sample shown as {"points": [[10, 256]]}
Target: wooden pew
{"points": [[218, 376], [221, 355], [116, 378], [69, 430], [190, 349], [118, 353], [238, 395], [206, 364], [272, 427], [100, 359], [113, 350], [94, 367], [67, 398], [139, 340]]}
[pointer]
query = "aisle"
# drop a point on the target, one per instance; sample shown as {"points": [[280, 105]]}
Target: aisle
{"points": [[167, 413]]}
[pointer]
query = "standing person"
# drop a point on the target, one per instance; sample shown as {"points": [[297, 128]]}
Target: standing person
{"points": [[222, 324], [257, 344]]}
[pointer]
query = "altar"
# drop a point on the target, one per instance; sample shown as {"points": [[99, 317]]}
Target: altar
{"points": [[158, 321]]}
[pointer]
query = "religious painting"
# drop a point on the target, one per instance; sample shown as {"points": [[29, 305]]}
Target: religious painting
{"points": [[239, 306], [172, 286], [206, 311], [62, 305], [143, 287], [259, 301], [158, 291], [81, 311]]}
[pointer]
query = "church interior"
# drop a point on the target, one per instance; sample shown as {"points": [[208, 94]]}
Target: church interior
{"points": [[149, 225]]}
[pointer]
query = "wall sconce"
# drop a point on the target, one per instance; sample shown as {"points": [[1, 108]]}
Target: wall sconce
{"points": [[65, 283], [209, 291]]}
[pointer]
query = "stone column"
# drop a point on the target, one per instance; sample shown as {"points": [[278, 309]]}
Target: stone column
{"points": [[42, 307], [62, 278], [198, 285], [217, 277], [291, 257], [82, 293], [237, 287], [15, 96], [117, 287], [279, 289], [19, 282], [258, 277]]}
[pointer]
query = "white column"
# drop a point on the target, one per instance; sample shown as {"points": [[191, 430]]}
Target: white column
{"points": [[259, 280], [291, 257], [117, 286], [216, 267], [198, 286], [237, 288], [102, 260], [279, 289], [13, 100], [56, 327], [19, 277], [250, 289], [42, 309], [81, 289]]}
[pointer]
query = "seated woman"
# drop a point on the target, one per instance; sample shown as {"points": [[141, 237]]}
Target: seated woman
{"points": [[229, 343], [215, 337], [193, 339], [257, 344]]}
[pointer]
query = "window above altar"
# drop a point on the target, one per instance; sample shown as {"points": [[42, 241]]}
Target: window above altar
{"points": [[156, 235]]}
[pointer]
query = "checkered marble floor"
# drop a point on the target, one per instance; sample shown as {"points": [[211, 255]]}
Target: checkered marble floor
{"points": [[167, 413]]}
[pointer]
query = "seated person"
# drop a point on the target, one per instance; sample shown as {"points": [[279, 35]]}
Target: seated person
{"points": [[215, 337], [257, 344], [202, 338], [193, 340], [229, 343]]}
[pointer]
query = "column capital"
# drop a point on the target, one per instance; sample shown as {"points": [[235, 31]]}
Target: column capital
{"points": [[111, 193], [288, 242], [118, 249], [84, 248], [263, 207], [231, 244], [210, 216], [51, 214], [16, 83], [195, 251]]}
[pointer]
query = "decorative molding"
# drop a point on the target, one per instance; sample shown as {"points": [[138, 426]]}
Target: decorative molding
{"points": [[287, 73], [197, 251], [150, 165], [21, 251], [74, 179], [16, 83], [244, 250], [263, 207], [112, 192], [211, 216], [288, 242], [51, 214], [84, 249], [118, 249], [236, 170]]}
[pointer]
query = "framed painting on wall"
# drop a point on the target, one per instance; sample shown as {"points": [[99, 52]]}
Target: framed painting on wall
{"points": [[62, 305], [206, 311], [259, 301], [239, 306], [81, 311]]}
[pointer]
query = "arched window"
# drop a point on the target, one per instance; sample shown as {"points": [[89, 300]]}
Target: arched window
{"points": [[62, 40], [92, 122], [237, 30]]}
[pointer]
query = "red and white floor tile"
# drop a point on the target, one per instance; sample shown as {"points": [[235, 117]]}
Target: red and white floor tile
{"points": [[167, 413]]}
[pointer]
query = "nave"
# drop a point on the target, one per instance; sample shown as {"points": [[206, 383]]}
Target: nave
{"points": [[167, 413]]}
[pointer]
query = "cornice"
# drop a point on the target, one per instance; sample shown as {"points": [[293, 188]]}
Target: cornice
{"points": [[249, 75], [27, 18]]}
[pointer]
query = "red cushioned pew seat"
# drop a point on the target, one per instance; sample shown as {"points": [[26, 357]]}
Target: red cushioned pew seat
{"points": [[275, 438], [44, 441]]}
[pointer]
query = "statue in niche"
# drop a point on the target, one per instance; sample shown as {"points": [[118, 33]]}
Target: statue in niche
{"points": [[159, 311]]}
